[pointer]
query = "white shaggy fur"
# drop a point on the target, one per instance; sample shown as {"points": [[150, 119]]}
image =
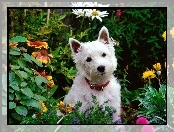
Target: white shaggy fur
{"points": [[88, 58]]}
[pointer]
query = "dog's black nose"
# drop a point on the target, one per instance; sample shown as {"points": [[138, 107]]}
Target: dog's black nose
{"points": [[101, 68]]}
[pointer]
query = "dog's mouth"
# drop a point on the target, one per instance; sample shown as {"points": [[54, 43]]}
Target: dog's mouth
{"points": [[103, 73]]}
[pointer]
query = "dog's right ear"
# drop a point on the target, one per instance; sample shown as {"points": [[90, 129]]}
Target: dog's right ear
{"points": [[75, 45]]}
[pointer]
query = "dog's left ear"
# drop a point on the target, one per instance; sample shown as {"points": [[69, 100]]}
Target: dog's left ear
{"points": [[104, 35]]}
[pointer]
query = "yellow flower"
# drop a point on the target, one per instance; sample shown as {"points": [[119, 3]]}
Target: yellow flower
{"points": [[66, 89], [172, 32], [62, 104], [164, 36], [44, 108], [157, 66], [149, 74]]}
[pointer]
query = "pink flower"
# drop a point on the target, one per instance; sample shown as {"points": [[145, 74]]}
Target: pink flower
{"points": [[142, 120], [148, 128]]}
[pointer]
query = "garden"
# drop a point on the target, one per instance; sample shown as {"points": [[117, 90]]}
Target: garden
{"points": [[41, 68]]}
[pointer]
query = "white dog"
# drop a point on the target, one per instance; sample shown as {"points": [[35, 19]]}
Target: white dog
{"points": [[96, 63]]}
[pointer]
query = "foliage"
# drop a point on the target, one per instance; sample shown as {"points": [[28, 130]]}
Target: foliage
{"points": [[153, 104]]}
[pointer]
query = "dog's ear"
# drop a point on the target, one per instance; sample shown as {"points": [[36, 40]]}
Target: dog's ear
{"points": [[75, 45], [104, 35]]}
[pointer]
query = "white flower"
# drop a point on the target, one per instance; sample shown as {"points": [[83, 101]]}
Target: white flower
{"points": [[78, 12], [34, 116], [96, 14], [95, 4]]}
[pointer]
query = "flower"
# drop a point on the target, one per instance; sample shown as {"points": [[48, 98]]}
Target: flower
{"points": [[75, 120], [49, 78], [44, 108], [149, 74], [172, 32], [13, 44], [147, 128], [157, 66], [96, 14], [119, 121], [62, 104], [78, 12], [118, 13], [164, 36], [86, 115], [42, 56], [66, 89], [142, 120], [37, 44]]}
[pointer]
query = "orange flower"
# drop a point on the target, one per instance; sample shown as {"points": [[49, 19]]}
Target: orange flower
{"points": [[63, 109], [42, 56], [49, 78], [62, 104], [37, 44], [13, 44]]}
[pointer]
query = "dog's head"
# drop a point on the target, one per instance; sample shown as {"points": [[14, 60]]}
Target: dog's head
{"points": [[96, 59]]}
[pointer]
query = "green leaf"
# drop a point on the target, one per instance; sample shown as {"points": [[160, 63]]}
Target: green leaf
{"points": [[27, 70], [14, 85], [16, 116], [13, 67], [21, 110], [22, 63], [11, 96], [27, 57], [53, 89], [36, 61], [11, 90], [39, 97], [27, 91], [17, 39], [11, 76], [31, 102], [18, 95], [12, 105], [19, 75], [23, 74], [40, 79], [23, 84], [14, 53]]}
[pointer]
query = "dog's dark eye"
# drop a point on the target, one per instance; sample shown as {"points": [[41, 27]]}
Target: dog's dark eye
{"points": [[88, 59], [103, 55]]}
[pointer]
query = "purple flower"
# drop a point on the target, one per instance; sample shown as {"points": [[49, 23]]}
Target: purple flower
{"points": [[74, 107], [86, 115], [119, 121], [101, 106], [75, 120], [21, 113]]}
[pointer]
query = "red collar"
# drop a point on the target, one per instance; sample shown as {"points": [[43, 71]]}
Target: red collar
{"points": [[97, 87]]}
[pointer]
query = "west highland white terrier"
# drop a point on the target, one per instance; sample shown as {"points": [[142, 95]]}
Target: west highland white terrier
{"points": [[96, 63]]}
